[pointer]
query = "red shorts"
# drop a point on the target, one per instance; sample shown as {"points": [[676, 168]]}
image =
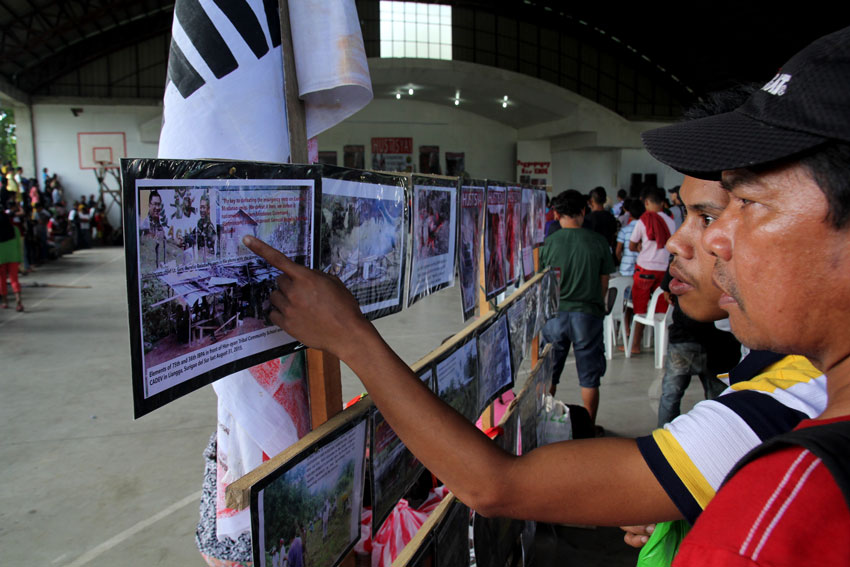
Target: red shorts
{"points": [[645, 282]]}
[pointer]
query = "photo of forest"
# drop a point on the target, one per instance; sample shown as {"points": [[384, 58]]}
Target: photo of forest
{"points": [[457, 379]]}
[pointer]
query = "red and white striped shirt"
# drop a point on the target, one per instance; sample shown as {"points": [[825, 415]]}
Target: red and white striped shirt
{"points": [[783, 509]]}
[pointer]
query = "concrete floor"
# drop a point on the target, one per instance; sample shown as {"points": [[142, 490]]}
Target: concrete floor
{"points": [[86, 485]]}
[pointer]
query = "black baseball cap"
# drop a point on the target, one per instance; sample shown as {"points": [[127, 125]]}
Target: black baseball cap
{"points": [[806, 104]]}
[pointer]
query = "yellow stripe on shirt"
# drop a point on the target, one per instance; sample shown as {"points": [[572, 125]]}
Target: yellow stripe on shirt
{"points": [[781, 375], [684, 467]]}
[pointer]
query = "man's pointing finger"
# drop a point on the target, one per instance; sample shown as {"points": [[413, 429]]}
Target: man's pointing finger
{"points": [[272, 256]]}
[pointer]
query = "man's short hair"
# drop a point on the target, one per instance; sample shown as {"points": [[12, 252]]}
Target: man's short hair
{"points": [[570, 203], [622, 194], [653, 195], [153, 194], [598, 195], [635, 208], [829, 167]]}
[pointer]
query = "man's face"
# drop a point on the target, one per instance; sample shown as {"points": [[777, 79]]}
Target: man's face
{"points": [[783, 270], [155, 206], [692, 265], [204, 208]]}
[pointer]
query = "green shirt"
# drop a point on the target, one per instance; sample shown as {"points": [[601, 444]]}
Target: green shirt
{"points": [[583, 257]]}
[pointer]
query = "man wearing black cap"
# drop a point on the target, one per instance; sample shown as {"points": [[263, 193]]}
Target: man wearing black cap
{"points": [[782, 250]]}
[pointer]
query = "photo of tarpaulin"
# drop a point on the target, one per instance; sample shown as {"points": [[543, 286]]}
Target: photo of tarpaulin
{"points": [[199, 299]]}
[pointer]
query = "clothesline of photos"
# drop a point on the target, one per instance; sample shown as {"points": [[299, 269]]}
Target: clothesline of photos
{"points": [[199, 299], [317, 486]]}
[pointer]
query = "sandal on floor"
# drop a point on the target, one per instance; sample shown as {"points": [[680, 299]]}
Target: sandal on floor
{"points": [[19, 307]]}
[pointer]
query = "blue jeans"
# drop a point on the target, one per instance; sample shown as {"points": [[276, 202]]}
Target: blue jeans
{"points": [[683, 361], [584, 332]]}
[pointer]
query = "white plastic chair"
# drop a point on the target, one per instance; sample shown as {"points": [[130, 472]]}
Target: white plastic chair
{"points": [[658, 323], [617, 315]]}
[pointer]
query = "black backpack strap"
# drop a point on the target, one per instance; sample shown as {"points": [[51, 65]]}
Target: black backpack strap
{"points": [[829, 442]]}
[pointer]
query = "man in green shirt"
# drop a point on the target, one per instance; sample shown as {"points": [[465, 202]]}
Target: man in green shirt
{"points": [[583, 261]]}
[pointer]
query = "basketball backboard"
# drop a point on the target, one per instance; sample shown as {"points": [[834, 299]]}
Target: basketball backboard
{"points": [[101, 149]]}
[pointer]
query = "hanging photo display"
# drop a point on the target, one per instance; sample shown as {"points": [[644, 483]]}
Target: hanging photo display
{"points": [[528, 408], [512, 234], [516, 324], [307, 512], [528, 227], [529, 532], [452, 536], [457, 379], [495, 253], [394, 469], [363, 236], [494, 362], [469, 248], [495, 539], [531, 297], [539, 216], [550, 294], [455, 164], [432, 264], [427, 377], [198, 298], [540, 317], [424, 554], [353, 157]]}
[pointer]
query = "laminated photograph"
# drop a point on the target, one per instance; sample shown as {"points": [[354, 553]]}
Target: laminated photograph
{"points": [[363, 241], [539, 217], [457, 379], [517, 327], [308, 511], [198, 298], [469, 247], [452, 536], [432, 263], [495, 253], [494, 362], [512, 234], [527, 229], [531, 298], [394, 469]]}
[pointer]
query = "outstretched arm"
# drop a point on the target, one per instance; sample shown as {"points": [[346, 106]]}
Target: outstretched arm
{"points": [[602, 482]]}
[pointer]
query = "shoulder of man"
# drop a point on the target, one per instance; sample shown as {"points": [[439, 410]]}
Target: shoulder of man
{"points": [[691, 455]]}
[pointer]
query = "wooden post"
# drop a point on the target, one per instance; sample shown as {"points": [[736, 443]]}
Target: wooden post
{"points": [[322, 369]]}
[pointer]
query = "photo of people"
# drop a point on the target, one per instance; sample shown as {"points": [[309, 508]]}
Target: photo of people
{"points": [[527, 227], [394, 470], [512, 234], [528, 407], [178, 226], [549, 294], [432, 265], [207, 303], [532, 296], [539, 216], [494, 362], [309, 515], [457, 379], [471, 225], [516, 324], [363, 241], [495, 255]]}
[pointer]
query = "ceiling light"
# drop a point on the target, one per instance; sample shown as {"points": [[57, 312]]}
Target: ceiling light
{"points": [[504, 104], [397, 96], [410, 92], [506, 98], [457, 102]]}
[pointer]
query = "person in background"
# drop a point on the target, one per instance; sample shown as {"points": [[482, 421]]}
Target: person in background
{"points": [[598, 219], [625, 256], [10, 258], [677, 209], [583, 261], [648, 239], [620, 205]]}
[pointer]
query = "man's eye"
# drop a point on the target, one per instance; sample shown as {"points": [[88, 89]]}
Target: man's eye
{"points": [[707, 219]]}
